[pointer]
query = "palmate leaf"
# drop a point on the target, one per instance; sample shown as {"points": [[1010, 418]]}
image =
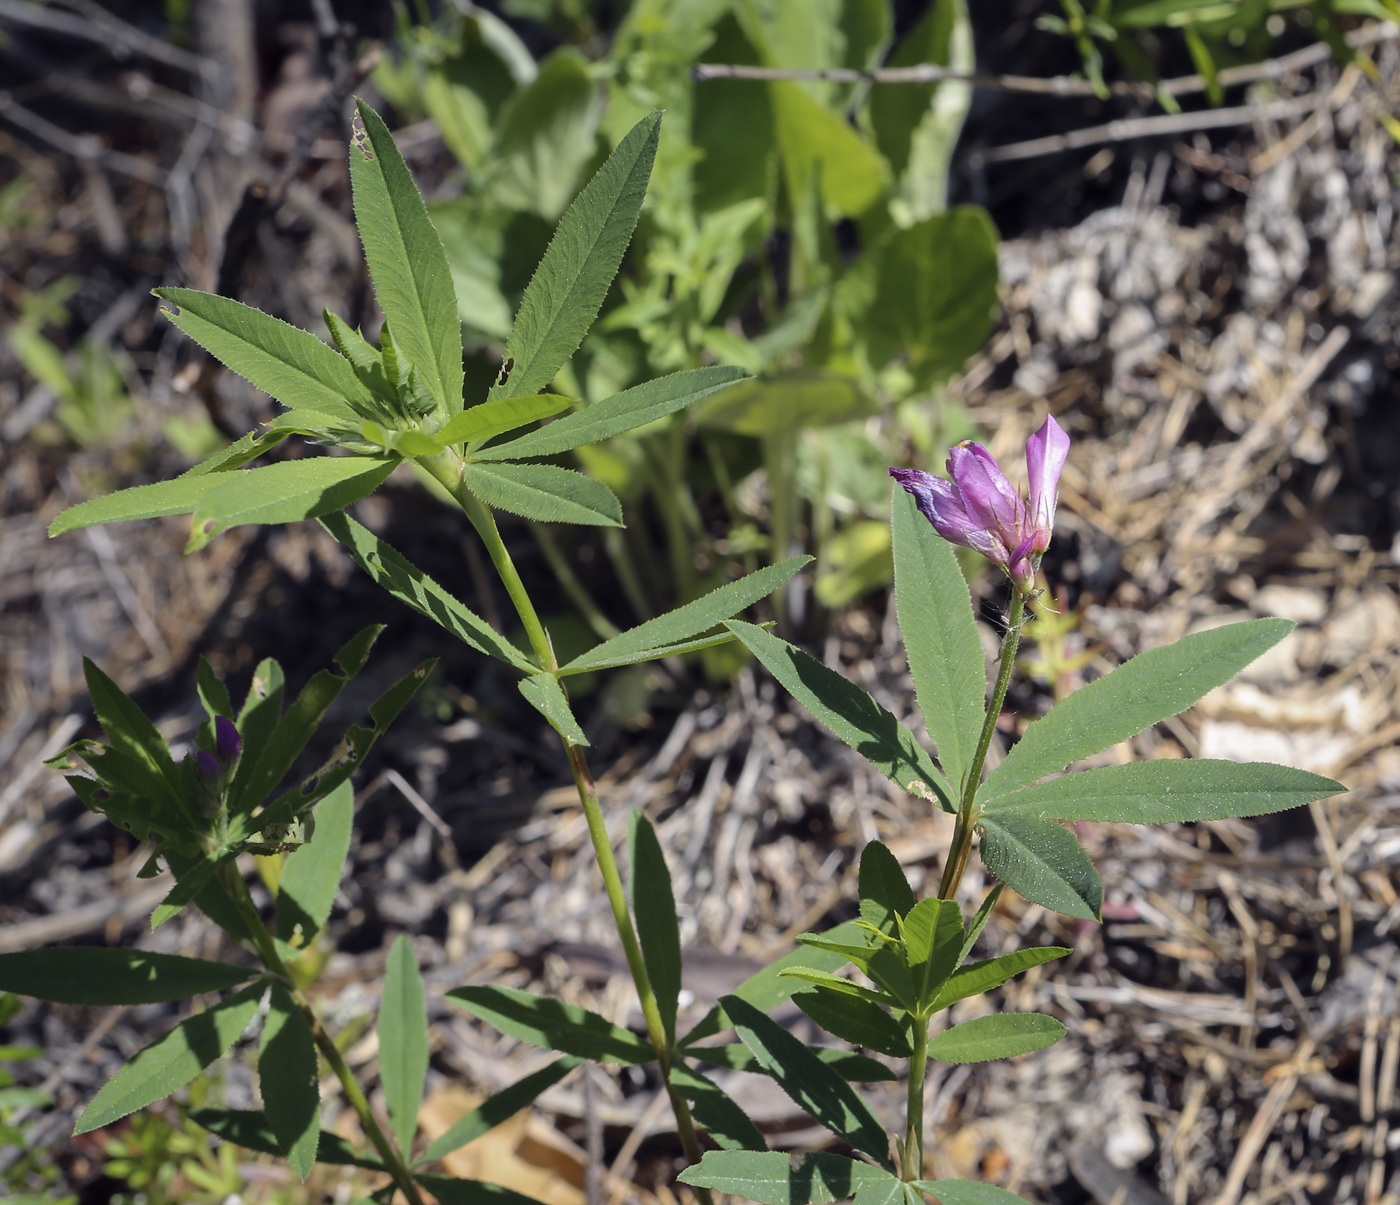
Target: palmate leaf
{"points": [[311, 874], [654, 905], [498, 1108], [623, 411], [1155, 792], [815, 1086], [287, 1075], [691, 619], [288, 363], [554, 1025], [940, 638], [92, 975], [285, 492], [1151, 687], [851, 714], [999, 1036], [403, 1041], [409, 584], [406, 261], [1043, 862], [776, 1178], [568, 287], [544, 492], [170, 1062]]}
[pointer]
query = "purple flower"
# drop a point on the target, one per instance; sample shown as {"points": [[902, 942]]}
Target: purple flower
{"points": [[979, 509], [227, 743], [208, 764]]}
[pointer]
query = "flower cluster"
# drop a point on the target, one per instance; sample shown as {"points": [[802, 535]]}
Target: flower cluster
{"points": [[980, 509]]}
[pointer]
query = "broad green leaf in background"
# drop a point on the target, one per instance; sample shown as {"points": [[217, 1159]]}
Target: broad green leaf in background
{"points": [[933, 937], [852, 1067], [1043, 862], [92, 975], [287, 1075], [731, 127], [968, 1192], [885, 894], [574, 276], [547, 137], [460, 114], [406, 261], [768, 988], [496, 418], [816, 141], [409, 584], [545, 493], [797, 400], [288, 363], [979, 977], [940, 638], [1154, 792], [1151, 687], [854, 1020], [693, 618], [849, 712], [285, 492], [623, 411], [855, 561], [251, 1129], [547, 696], [553, 1024], [170, 1062], [498, 1109], [403, 1041], [654, 905], [777, 1178], [810, 1082], [999, 1036], [311, 874], [935, 293], [714, 1109]]}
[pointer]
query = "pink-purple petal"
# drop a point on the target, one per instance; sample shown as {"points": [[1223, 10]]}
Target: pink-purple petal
{"points": [[1046, 453]]}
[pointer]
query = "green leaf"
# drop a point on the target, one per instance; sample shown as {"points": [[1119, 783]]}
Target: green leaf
{"points": [[212, 692], [940, 638], [211, 898], [568, 287], [1154, 792], [793, 401], [190, 882], [450, 1191], [679, 649], [244, 449], [695, 617], [776, 1178], [251, 1129], [406, 261], [968, 1192], [547, 696], [1043, 862], [818, 141], [311, 874], [654, 905], [411, 585], [885, 894], [859, 955], [367, 363], [935, 293], [284, 492], [547, 136], [544, 492], [498, 1109], [130, 732], [825, 979], [403, 1041], [290, 1090], [979, 921], [253, 781], [262, 707], [999, 1036], [170, 1062], [1152, 686], [851, 714], [177, 497], [717, 1111], [621, 412], [490, 419], [855, 1021], [933, 938], [103, 975], [811, 1083], [856, 1068], [553, 1024], [288, 363], [979, 977], [767, 988]]}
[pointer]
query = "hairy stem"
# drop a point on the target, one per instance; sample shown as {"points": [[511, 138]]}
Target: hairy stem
{"points": [[913, 1168], [267, 953], [961, 848]]}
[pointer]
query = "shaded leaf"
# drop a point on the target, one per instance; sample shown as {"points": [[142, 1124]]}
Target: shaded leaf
{"points": [[311, 874], [103, 975], [553, 1024], [885, 894], [714, 1109], [1043, 862], [654, 905], [498, 1109], [854, 1068], [251, 1129], [403, 1041], [853, 1020], [290, 1090], [450, 1191]]}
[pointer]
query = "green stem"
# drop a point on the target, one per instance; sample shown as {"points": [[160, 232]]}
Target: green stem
{"points": [[267, 953], [961, 849], [914, 1132]]}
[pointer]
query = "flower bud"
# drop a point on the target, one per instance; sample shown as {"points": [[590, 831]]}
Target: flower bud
{"points": [[227, 743], [208, 765]]}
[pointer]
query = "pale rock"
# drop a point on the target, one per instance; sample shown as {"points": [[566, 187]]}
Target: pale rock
{"points": [[1229, 740], [1370, 624], [1297, 603]]}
